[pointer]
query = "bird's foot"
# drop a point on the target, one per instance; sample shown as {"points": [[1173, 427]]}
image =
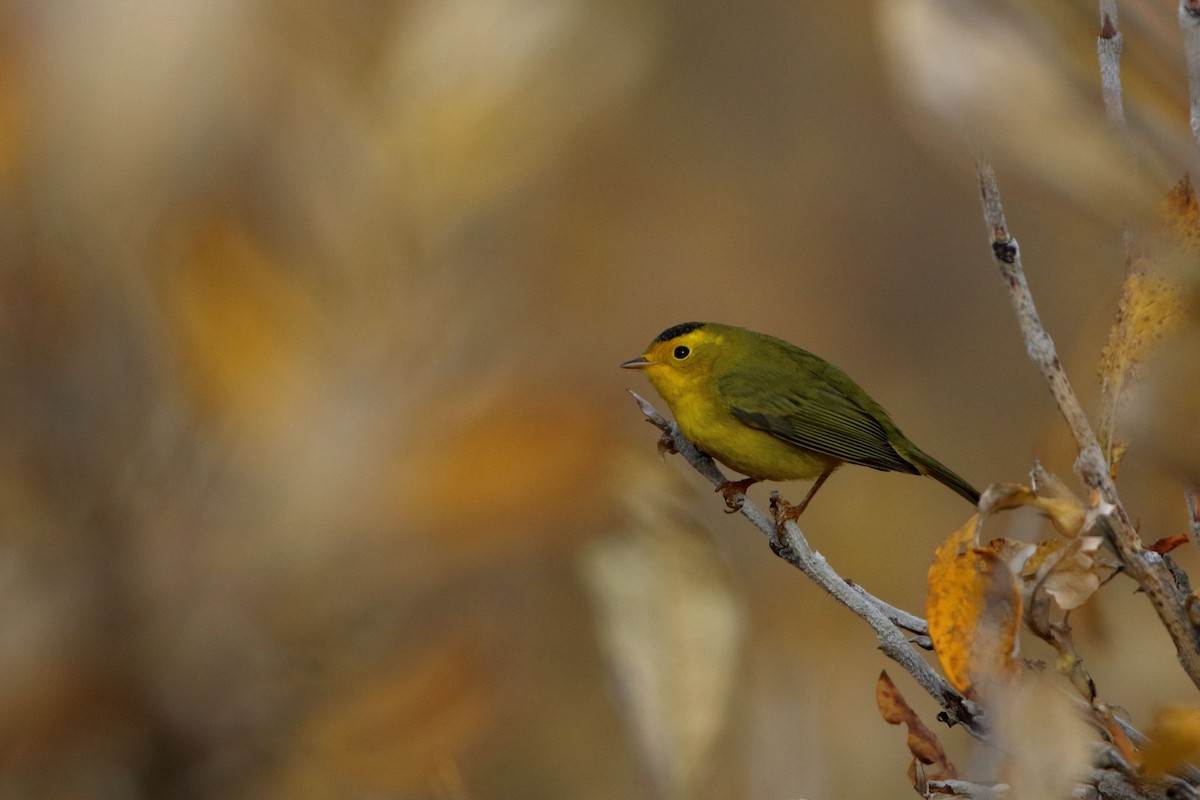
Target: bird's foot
{"points": [[666, 444], [784, 511], [734, 493]]}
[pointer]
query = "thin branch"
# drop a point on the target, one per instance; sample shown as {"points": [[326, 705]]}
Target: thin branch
{"points": [[1146, 567], [1108, 48], [900, 618], [788, 542], [1189, 495], [1189, 25], [975, 791]]}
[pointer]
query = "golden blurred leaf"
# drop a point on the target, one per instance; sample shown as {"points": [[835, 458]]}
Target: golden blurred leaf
{"points": [[922, 742], [392, 730], [1151, 306], [973, 605], [1174, 740], [248, 334], [532, 464]]}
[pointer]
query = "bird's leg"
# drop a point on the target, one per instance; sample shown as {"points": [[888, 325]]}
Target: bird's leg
{"points": [[811, 493], [734, 493]]}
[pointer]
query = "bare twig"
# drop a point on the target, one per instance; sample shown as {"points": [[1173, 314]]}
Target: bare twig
{"points": [[900, 618], [975, 791], [1189, 25], [788, 542], [1146, 567], [1189, 495], [1112, 785], [1108, 48]]}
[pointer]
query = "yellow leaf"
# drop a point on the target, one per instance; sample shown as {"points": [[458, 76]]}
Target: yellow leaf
{"points": [[1174, 739], [973, 605], [1151, 306]]}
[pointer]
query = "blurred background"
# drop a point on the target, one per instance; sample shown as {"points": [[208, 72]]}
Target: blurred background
{"points": [[317, 475]]}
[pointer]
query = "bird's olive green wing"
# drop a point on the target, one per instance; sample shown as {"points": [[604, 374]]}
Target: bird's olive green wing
{"points": [[813, 414]]}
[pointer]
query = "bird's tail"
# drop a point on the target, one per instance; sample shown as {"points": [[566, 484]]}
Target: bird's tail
{"points": [[928, 465]]}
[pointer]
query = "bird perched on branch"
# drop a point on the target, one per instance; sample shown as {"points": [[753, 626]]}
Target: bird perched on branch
{"points": [[773, 411]]}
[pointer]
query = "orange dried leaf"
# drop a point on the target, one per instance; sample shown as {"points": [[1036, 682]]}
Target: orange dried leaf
{"points": [[973, 605], [922, 742], [1169, 543], [1174, 740]]}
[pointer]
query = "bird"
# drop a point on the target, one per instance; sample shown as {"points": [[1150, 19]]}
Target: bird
{"points": [[773, 411]]}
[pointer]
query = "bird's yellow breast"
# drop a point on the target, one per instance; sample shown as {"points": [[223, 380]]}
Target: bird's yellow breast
{"points": [[709, 424]]}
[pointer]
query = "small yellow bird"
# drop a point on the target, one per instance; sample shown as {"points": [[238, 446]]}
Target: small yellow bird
{"points": [[775, 412]]}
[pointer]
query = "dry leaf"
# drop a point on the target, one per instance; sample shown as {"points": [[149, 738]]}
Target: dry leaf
{"points": [[1073, 576], [1151, 307], [1063, 509], [1174, 740], [973, 605], [922, 742], [1060, 576], [1169, 543], [1013, 553]]}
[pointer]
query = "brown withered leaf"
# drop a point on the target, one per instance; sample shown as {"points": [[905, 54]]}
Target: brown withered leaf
{"points": [[922, 742], [1169, 543], [1174, 740], [1058, 577], [973, 605], [1072, 575], [1151, 307], [1063, 509]]}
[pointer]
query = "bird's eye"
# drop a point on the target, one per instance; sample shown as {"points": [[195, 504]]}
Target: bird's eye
{"points": [[682, 352]]}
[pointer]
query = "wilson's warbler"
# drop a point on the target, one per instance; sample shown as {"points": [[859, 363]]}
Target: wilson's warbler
{"points": [[772, 411]]}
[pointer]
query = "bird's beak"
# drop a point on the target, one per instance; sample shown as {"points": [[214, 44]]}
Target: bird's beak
{"points": [[637, 363]]}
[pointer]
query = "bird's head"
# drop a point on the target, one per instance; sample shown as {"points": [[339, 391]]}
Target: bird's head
{"points": [[681, 358]]}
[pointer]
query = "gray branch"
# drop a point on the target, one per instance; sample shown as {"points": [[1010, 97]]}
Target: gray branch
{"points": [[1146, 567], [1108, 48], [1189, 26]]}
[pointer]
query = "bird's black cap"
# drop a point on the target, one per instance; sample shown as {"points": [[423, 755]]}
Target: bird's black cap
{"points": [[678, 330]]}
